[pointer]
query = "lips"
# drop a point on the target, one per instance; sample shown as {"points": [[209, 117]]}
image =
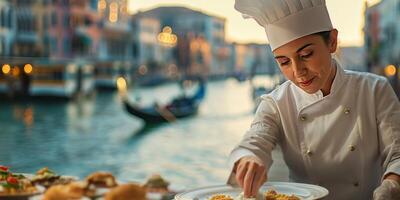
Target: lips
{"points": [[307, 83]]}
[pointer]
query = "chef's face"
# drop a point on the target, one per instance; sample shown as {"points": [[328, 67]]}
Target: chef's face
{"points": [[307, 62]]}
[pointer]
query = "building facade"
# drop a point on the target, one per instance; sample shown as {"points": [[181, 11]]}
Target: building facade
{"points": [[382, 40], [200, 45], [7, 28]]}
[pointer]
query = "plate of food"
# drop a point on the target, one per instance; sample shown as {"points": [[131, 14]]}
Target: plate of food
{"points": [[16, 186], [269, 191], [94, 186], [47, 178]]}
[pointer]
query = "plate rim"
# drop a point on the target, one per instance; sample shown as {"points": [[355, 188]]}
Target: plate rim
{"points": [[324, 191], [307, 185]]}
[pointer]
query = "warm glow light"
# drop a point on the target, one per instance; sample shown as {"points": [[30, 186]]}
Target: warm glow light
{"points": [[174, 39], [167, 29], [6, 69], [113, 17], [247, 30], [114, 6], [15, 71], [123, 9], [390, 70], [166, 37], [28, 116], [121, 86], [28, 68], [102, 5]]}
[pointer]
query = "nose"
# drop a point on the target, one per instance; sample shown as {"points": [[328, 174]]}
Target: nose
{"points": [[299, 68]]}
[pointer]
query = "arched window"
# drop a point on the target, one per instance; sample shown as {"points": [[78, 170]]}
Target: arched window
{"points": [[10, 18], [2, 18]]}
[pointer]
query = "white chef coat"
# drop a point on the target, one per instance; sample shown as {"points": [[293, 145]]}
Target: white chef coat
{"points": [[345, 141]]}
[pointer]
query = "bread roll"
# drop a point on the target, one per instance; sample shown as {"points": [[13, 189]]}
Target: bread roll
{"points": [[127, 192]]}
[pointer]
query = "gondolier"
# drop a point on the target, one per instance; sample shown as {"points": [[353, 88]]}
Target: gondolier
{"points": [[339, 129]]}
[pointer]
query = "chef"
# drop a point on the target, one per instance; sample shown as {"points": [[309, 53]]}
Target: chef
{"points": [[338, 129]]}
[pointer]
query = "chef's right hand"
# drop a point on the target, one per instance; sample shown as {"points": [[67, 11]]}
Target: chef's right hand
{"points": [[250, 175]]}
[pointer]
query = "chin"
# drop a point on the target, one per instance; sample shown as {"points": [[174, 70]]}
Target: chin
{"points": [[310, 90]]}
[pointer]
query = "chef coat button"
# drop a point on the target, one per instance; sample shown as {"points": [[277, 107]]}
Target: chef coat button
{"points": [[355, 184], [309, 152], [303, 118], [346, 111], [352, 148]]}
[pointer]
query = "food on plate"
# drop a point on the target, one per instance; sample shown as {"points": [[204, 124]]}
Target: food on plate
{"points": [[273, 195], [126, 192], [157, 184], [14, 184], [73, 190], [4, 172], [102, 179], [221, 197], [241, 197], [47, 178]]}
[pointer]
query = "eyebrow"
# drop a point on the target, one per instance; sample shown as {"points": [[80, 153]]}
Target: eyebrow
{"points": [[301, 48]]}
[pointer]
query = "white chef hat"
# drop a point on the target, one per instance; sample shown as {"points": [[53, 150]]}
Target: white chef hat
{"points": [[287, 20]]}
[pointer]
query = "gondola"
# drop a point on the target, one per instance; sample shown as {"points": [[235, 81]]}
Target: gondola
{"points": [[180, 107]]}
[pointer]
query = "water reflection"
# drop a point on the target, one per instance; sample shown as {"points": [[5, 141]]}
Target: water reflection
{"points": [[83, 136]]}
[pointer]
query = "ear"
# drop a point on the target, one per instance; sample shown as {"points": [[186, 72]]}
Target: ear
{"points": [[333, 40]]}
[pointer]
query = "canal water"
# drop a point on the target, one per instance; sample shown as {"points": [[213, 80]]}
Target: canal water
{"points": [[86, 135]]}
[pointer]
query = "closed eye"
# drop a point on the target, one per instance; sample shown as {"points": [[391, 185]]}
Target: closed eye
{"points": [[282, 60], [284, 63], [307, 55]]}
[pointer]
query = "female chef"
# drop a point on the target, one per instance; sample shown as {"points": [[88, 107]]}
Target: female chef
{"points": [[339, 129]]}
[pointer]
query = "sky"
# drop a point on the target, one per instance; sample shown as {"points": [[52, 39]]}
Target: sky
{"points": [[346, 15]]}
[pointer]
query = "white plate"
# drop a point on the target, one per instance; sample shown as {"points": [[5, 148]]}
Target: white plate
{"points": [[39, 190], [304, 191]]}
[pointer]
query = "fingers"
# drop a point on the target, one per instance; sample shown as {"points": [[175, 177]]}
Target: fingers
{"points": [[259, 178], [250, 175], [249, 179], [241, 172]]}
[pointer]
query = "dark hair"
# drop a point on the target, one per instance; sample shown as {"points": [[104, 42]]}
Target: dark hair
{"points": [[325, 35]]}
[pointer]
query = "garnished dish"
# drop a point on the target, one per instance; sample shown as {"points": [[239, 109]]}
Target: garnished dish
{"points": [[45, 184], [221, 197], [157, 184], [93, 186], [228, 197], [47, 178], [73, 190], [15, 184], [102, 180], [273, 195]]}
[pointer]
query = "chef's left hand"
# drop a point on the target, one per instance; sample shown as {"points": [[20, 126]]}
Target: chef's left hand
{"points": [[388, 190]]}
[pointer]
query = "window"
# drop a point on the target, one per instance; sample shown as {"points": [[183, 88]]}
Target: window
{"points": [[67, 46], [45, 22], [53, 18], [66, 20], [2, 18], [53, 45], [10, 18]]}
